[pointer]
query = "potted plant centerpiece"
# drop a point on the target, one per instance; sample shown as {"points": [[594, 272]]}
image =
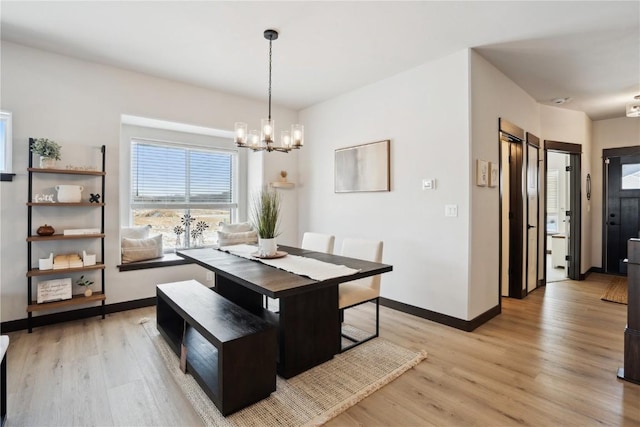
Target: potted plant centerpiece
{"points": [[48, 150], [86, 283], [265, 214]]}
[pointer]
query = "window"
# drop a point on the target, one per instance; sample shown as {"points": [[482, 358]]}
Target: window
{"points": [[5, 142], [631, 176], [553, 194], [182, 191]]}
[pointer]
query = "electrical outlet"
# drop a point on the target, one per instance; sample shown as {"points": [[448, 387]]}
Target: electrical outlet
{"points": [[209, 276], [451, 210]]}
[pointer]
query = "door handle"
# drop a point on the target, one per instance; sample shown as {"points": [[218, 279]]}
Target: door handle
{"points": [[530, 226], [612, 223]]}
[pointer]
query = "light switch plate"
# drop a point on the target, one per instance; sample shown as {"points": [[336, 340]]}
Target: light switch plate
{"points": [[428, 184]]}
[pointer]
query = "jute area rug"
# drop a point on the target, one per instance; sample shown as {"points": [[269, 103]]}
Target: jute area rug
{"points": [[308, 399], [616, 291]]}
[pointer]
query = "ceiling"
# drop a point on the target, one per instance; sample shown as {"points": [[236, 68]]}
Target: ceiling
{"points": [[588, 51]]}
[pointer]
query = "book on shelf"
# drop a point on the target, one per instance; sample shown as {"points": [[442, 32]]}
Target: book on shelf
{"points": [[80, 231]]}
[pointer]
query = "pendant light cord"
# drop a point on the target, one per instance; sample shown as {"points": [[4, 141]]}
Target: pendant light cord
{"points": [[270, 41]]}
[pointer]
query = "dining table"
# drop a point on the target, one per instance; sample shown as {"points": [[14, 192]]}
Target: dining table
{"points": [[308, 318]]}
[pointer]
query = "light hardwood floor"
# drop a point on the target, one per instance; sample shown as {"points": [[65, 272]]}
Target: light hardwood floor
{"points": [[547, 360]]}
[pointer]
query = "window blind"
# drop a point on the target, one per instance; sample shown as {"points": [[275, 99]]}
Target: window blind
{"points": [[175, 176], [552, 191]]}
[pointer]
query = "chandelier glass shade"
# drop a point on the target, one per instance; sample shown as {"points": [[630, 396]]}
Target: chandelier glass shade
{"points": [[265, 139], [633, 108]]}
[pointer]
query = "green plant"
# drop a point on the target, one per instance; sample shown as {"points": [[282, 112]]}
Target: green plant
{"points": [[83, 282], [46, 148], [265, 213]]}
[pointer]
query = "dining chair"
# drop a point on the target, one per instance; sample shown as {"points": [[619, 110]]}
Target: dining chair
{"points": [[363, 290], [318, 242]]}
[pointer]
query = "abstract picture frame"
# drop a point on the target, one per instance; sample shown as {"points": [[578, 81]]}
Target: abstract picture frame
{"points": [[363, 168]]}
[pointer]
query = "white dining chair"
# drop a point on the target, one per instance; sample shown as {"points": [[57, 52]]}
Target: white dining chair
{"points": [[363, 290], [318, 242]]}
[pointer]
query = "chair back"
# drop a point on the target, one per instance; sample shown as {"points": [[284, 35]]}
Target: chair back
{"points": [[368, 250], [318, 242]]}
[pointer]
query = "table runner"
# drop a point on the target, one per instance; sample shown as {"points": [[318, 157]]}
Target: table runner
{"points": [[302, 266]]}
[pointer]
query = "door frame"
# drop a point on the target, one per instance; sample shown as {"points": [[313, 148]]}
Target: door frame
{"points": [[533, 141], [606, 153], [512, 134], [575, 204]]}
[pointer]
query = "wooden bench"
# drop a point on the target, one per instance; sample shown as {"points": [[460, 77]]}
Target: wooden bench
{"points": [[230, 352]]}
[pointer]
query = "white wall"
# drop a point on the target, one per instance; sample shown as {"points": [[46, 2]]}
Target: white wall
{"points": [[493, 96], [424, 112], [613, 133], [79, 104], [562, 125]]}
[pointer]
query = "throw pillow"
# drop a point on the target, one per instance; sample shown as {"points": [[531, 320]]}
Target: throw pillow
{"points": [[226, 239], [239, 227], [138, 232], [141, 249]]}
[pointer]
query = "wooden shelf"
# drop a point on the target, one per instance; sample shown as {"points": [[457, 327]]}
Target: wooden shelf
{"points": [[64, 204], [75, 300], [66, 171], [64, 237], [280, 184], [36, 272]]}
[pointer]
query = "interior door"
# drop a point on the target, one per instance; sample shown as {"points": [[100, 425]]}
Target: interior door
{"points": [[533, 206], [622, 220]]}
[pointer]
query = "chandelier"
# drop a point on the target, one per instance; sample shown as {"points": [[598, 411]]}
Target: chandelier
{"points": [[265, 140]]}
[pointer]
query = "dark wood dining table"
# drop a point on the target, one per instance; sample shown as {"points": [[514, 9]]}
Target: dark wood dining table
{"points": [[308, 317]]}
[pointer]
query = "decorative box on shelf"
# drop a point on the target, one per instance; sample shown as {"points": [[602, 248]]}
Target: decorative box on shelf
{"points": [[54, 290], [80, 231]]}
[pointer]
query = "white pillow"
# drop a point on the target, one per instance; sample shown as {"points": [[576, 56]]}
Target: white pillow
{"points": [[226, 239], [141, 249], [139, 232], [239, 227]]}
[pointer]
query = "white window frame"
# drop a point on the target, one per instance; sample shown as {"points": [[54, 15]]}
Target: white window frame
{"points": [[134, 128], [6, 143]]}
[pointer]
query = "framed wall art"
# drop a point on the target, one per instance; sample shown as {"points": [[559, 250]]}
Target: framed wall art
{"points": [[363, 168]]}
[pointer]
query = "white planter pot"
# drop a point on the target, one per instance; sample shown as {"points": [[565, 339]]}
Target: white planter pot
{"points": [[88, 292], [267, 247], [47, 163], [69, 193]]}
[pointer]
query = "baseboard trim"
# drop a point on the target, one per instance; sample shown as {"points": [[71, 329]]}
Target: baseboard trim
{"points": [[50, 319], [83, 313], [454, 322]]}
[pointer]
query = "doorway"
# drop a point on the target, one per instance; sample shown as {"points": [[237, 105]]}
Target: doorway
{"points": [[622, 205], [558, 194], [519, 207], [562, 210]]}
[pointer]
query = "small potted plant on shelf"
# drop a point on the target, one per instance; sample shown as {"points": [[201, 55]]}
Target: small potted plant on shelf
{"points": [[48, 150], [265, 214], [86, 283]]}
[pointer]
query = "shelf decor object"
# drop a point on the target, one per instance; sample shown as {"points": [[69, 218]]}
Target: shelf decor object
{"points": [[57, 293], [48, 150], [265, 141]]}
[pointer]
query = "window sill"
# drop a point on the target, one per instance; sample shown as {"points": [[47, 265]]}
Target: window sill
{"points": [[7, 176], [167, 260]]}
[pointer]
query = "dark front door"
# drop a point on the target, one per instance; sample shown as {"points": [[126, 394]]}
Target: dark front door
{"points": [[622, 213]]}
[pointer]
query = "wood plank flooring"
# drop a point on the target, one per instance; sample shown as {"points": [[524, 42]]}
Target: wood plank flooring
{"points": [[547, 360]]}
